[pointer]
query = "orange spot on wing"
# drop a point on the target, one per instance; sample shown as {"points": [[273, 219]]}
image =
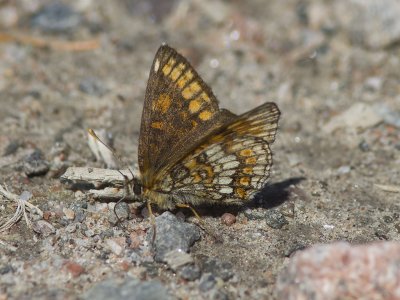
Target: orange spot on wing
{"points": [[184, 79], [248, 170], [194, 106], [177, 71], [162, 104], [168, 67], [244, 181], [251, 160], [157, 125], [246, 152], [205, 97], [196, 177], [241, 193], [205, 115], [191, 164], [191, 90]]}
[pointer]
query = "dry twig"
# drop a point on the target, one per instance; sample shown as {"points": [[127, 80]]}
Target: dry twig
{"points": [[108, 184], [47, 43]]}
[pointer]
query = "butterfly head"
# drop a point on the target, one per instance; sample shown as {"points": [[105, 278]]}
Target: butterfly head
{"points": [[137, 187]]}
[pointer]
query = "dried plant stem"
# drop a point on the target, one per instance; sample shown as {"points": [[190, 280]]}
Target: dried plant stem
{"points": [[22, 206]]}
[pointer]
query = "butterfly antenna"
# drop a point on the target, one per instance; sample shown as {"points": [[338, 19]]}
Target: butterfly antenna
{"points": [[118, 158], [114, 153]]}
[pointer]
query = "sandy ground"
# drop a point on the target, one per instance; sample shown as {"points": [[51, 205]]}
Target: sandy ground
{"points": [[334, 75]]}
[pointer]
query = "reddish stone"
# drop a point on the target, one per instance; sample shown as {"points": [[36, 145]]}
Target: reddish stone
{"points": [[74, 268], [343, 271], [228, 219], [46, 215]]}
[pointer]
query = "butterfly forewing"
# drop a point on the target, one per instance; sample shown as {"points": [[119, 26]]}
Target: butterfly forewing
{"points": [[179, 111], [231, 165]]}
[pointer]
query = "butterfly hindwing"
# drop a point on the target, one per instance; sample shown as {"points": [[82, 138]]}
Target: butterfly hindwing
{"points": [[231, 165]]}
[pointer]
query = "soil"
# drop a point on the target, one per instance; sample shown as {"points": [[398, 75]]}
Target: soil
{"points": [[330, 159]]}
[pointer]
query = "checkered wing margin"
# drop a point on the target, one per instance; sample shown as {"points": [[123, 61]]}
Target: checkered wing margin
{"points": [[231, 165]]}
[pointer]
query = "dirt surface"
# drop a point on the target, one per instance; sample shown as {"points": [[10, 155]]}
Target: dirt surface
{"points": [[335, 81]]}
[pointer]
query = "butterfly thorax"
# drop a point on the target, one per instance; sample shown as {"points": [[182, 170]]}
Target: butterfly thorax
{"points": [[162, 200]]}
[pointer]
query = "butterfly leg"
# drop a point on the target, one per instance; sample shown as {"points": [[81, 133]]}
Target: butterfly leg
{"points": [[126, 193], [152, 221], [183, 205]]}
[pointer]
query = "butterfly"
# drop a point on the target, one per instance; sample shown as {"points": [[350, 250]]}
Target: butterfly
{"points": [[192, 152]]}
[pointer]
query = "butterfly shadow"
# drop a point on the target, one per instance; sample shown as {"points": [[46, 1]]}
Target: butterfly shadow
{"points": [[273, 195]]}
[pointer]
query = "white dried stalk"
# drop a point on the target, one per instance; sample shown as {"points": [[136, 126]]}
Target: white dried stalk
{"points": [[22, 206], [109, 184], [388, 188]]}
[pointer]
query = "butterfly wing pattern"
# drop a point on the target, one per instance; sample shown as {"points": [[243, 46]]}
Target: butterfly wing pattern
{"points": [[190, 150]]}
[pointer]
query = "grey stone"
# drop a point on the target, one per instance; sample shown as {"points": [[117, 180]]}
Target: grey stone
{"points": [[172, 234], [92, 86], [43, 227], [11, 148], [216, 267], [129, 289], [177, 258], [120, 213], [218, 294], [254, 214], [275, 219], [80, 216], [35, 165], [190, 272], [56, 17], [207, 282], [71, 228]]}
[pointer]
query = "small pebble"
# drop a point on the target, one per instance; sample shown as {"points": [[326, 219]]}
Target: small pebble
{"points": [[119, 213], [89, 233], [216, 267], [6, 269], [80, 216], [92, 86], [43, 227], [11, 148], [136, 238], [69, 213], [275, 219], [46, 215], [364, 146], [35, 165], [207, 282], [116, 245], [254, 214], [71, 228], [228, 219], [74, 268], [190, 272], [56, 17], [177, 258]]}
